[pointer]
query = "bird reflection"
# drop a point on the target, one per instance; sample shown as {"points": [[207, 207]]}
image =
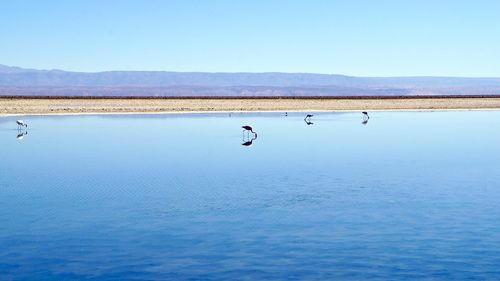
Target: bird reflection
{"points": [[246, 138], [308, 119], [20, 135], [366, 117], [249, 142]]}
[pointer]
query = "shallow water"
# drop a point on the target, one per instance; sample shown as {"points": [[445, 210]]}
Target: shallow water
{"points": [[409, 195]]}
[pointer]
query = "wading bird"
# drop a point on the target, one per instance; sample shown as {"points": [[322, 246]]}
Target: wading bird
{"points": [[21, 123], [308, 119], [248, 129], [365, 118]]}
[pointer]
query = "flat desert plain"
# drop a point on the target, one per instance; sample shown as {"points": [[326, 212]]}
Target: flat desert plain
{"points": [[10, 105]]}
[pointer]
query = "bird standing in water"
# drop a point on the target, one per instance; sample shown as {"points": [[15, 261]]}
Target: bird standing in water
{"points": [[21, 123], [248, 129], [365, 118], [308, 119]]}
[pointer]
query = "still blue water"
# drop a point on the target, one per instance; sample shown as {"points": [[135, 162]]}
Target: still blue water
{"points": [[407, 196]]}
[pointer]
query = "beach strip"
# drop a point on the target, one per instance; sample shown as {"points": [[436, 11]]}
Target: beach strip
{"points": [[61, 105]]}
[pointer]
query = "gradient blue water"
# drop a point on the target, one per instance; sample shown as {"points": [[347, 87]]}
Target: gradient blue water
{"points": [[408, 196]]}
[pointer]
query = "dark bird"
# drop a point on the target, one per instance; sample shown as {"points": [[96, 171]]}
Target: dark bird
{"points": [[308, 119], [365, 118], [21, 123], [248, 129]]}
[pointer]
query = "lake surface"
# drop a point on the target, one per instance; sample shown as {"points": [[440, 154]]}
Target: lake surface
{"points": [[407, 196]]}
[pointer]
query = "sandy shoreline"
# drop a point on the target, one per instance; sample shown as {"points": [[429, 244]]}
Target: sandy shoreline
{"points": [[31, 106]]}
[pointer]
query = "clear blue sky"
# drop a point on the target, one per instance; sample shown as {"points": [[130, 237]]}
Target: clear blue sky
{"points": [[363, 38]]}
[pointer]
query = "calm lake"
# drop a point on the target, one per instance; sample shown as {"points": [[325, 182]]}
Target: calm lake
{"points": [[406, 196]]}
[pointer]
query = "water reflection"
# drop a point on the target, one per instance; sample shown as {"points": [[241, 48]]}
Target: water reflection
{"points": [[111, 201], [249, 142], [366, 117], [307, 119], [246, 139], [21, 134]]}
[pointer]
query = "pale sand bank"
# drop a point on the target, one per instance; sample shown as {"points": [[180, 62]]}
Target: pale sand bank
{"points": [[10, 106]]}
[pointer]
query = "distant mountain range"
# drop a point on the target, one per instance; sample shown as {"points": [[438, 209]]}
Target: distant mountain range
{"points": [[20, 81]]}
